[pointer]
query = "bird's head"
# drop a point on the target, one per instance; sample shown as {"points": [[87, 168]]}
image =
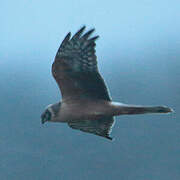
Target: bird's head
{"points": [[50, 112]]}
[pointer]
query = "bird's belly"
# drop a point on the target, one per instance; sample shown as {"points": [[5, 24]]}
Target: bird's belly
{"points": [[84, 110]]}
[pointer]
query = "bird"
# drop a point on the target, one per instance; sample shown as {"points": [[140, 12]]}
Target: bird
{"points": [[86, 104]]}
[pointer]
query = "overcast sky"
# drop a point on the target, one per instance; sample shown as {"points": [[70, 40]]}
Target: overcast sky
{"points": [[139, 57]]}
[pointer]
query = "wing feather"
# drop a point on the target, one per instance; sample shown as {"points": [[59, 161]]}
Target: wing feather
{"points": [[75, 68], [101, 127]]}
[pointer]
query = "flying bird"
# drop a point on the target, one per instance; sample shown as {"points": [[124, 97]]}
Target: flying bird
{"points": [[86, 104]]}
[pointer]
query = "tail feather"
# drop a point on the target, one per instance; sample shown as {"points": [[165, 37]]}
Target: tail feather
{"points": [[120, 109], [159, 109]]}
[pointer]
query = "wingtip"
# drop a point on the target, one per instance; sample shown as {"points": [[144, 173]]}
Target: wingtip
{"points": [[94, 38], [91, 30], [83, 27], [88, 33], [109, 137], [68, 34], [67, 37], [65, 41], [78, 33]]}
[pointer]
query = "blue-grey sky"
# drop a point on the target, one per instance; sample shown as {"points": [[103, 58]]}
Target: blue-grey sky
{"points": [[139, 57]]}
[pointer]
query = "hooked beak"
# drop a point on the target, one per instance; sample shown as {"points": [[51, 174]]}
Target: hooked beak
{"points": [[43, 119]]}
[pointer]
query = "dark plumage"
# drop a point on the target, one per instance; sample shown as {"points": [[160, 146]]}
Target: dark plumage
{"points": [[86, 104]]}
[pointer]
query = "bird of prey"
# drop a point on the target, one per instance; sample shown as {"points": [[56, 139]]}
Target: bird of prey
{"points": [[86, 104]]}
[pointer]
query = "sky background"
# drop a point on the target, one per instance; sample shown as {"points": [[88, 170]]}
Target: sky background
{"points": [[139, 57]]}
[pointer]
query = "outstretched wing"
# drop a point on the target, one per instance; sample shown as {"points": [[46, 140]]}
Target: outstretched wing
{"points": [[101, 127], [75, 68]]}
